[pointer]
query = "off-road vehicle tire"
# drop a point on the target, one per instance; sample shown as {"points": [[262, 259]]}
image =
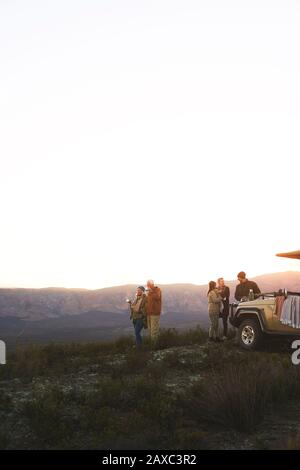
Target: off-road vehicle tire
{"points": [[249, 334]]}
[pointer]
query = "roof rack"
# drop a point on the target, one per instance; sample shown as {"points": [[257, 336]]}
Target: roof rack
{"points": [[278, 293]]}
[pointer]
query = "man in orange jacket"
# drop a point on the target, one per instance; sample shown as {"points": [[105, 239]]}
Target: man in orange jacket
{"points": [[153, 309]]}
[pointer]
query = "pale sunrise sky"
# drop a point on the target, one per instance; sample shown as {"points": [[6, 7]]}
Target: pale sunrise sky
{"points": [[148, 139]]}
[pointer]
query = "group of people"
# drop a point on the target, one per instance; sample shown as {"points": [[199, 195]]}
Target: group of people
{"points": [[145, 312], [145, 309], [218, 302]]}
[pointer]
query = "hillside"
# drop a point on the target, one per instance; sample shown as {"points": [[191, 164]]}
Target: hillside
{"points": [[188, 394]]}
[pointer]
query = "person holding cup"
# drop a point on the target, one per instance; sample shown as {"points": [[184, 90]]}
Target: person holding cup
{"points": [[138, 314]]}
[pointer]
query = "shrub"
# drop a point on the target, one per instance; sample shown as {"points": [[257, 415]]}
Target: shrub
{"points": [[4, 441], [172, 360], [122, 344], [242, 395], [171, 337], [136, 361], [186, 438], [5, 402], [288, 443], [35, 360], [46, 416], [195, 336], [126, 412], [95, 419], [155, 370]]}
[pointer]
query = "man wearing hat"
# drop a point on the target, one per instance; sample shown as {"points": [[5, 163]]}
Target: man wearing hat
{"points": [[138, 314]]}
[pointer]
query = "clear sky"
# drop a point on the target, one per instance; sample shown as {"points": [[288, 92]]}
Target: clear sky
{"points": [[147, 139]]}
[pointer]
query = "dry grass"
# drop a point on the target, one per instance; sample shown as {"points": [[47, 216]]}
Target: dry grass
{"points": [[244, 393]]}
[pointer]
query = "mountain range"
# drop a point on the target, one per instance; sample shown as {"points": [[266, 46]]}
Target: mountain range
{"points": [[45, 303], [82, 314]]}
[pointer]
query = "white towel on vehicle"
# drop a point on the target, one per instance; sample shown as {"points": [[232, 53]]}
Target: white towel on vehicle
{"points": [[291, 311]]}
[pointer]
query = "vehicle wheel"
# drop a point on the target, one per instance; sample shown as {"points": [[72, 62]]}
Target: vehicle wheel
{"points": [[249, 334]]}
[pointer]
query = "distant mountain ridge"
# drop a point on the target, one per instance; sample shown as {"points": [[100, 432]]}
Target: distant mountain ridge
{"points": [[47, 303]]}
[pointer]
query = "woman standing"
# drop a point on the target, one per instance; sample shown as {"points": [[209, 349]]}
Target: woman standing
{"points": [[214, 306], [139, 314], [224, 292]]}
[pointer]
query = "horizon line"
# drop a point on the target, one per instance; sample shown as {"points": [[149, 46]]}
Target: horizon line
{"points": [[136, 284]]}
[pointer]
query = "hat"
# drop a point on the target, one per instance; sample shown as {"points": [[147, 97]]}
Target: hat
{"points": [[142, 288]]}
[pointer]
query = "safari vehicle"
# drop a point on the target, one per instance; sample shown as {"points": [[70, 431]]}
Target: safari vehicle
{"points": [[257, 319]]}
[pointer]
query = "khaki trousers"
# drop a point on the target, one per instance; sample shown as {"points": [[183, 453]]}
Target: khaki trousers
{"points": [[214, 325], [153, 326]]}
